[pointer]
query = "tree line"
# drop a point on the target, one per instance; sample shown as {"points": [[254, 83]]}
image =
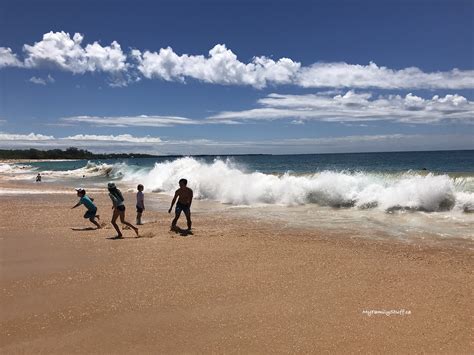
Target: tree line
{"points": [[69, 153]]}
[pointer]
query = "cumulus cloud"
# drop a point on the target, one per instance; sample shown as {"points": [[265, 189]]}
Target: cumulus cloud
{"points": [[220, 67], [354, 106], [67, 53], [8, 58], [42, 81]]}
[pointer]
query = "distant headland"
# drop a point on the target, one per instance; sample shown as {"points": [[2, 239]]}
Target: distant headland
{"points": [[75, 153]]}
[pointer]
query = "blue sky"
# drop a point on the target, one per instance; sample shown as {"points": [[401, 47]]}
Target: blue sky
{"points": [[282, 76]]}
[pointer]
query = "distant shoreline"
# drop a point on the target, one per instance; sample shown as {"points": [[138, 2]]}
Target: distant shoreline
{"points": [[73, 154]]}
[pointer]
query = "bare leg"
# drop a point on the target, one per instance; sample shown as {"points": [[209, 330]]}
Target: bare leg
{"points": [[175, 220], [93, 221], [139, 218], [114, 219], [122, 219], [188, 218]]}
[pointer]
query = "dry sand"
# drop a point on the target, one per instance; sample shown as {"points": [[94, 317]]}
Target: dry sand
{"points": [[235, 286]]}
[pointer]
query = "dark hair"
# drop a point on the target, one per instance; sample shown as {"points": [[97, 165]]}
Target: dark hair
{"points": [[184, 181], [139, 186], [117, 193], [82, 192]]}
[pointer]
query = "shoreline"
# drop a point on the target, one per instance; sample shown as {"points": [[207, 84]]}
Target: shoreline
{"points": [[286, 216], [235, 285]]}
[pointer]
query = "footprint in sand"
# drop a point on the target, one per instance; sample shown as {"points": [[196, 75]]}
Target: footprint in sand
{"points": [[147, 235]]}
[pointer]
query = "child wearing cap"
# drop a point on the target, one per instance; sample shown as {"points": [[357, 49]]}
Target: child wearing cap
{"points": [[85, 200]]}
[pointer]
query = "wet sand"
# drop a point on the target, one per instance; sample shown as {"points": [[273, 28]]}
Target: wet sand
{"points": [[233, 286]]}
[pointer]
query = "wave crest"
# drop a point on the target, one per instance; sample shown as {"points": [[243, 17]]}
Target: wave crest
{"points": [[229, 183]]}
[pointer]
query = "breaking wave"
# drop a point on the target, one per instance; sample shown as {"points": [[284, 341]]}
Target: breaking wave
{"points": [[229, 183]]}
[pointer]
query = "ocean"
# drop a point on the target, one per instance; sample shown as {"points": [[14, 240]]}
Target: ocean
{"points": [[404, 195]]}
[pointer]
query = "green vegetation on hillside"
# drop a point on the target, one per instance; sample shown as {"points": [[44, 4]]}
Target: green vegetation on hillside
{"points": [[69, 153]]}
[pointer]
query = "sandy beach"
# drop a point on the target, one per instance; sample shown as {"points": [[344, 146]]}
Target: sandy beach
{"points": [[234, 286]]}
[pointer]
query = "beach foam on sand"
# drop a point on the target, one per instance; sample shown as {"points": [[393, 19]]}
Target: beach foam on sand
{"points": [[235, 285]]}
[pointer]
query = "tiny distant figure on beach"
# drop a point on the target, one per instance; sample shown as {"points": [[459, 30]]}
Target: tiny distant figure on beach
{"points": [[119, 210], [87, 201], [184, 197], [38, 177], [140, 204]]}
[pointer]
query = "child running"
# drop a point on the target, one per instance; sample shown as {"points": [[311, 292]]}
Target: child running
{"points": [[85, 200], [140, 204], [184, 195], [119, 210]]}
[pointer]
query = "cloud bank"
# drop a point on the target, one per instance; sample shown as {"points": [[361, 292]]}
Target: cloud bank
{"points": [[343, 107], [220, 66], [155, 145], [353, 107]]}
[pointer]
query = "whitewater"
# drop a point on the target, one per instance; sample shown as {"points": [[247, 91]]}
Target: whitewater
{"points": [[227, 182], [402, 204]]}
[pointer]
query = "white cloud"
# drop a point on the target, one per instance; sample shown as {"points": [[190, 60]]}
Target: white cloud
{"points": [[155, 145], [59, 49], [42, 81], [8, 137], [131, 121], [344, 75], [8, 58], [221, 66], [354, 106], [110, 138]]}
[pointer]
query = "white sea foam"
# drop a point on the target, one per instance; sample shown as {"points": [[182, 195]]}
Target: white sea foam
{"points": [[228, 183], [14, 168]]}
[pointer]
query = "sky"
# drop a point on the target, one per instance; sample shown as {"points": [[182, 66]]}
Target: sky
{"points": [[237, 77]]}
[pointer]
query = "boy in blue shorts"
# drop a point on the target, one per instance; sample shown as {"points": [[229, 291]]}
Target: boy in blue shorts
{"points": [[85, 200]]}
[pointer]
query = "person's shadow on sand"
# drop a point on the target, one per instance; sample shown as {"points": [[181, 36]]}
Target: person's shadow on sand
{"points": [[85, 229], [181, 232], [122, 238]]}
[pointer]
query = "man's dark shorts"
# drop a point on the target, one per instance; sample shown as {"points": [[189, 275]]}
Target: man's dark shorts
{"points": [[139, 209], [90, 214], [182, 207]]}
